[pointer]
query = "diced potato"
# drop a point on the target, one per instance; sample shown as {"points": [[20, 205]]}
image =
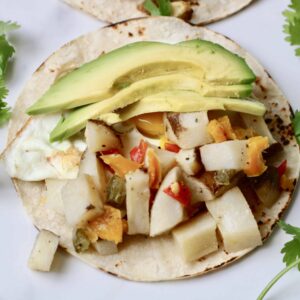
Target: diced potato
{"points": [[224, 156], [92, 166], [100, 137], [132, 139], [166, 212], [43, 251], [235, 221], [259, 126], [199, 190], [105, 248], [197, 237], [187, 130], [188, 161], [53, 194], [137, 202], [81, 200], [166, 159]]}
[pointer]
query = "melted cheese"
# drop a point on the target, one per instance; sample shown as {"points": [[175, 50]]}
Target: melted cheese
{"points": [[31, 156]]}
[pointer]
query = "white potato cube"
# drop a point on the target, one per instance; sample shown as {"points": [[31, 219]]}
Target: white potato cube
{"points": [[105, 248], [81, 199], [187, 130], [197, 237], [137, 202], [187, 160], [259, 126], [92, 166], [100, 137], [43, 251], [199, 190], [53, 194], [166, 160], [235, 221], [166, 212], [229, 155]]}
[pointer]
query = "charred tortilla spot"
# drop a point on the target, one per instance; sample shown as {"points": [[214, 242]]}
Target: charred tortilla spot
{"points": [[141, 31], [91, 206]]}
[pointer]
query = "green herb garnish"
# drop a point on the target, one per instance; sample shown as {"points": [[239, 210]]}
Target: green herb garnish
{"points": [[296, 125], [6, 52], [158, 7], [291, 258], [292, 24]]}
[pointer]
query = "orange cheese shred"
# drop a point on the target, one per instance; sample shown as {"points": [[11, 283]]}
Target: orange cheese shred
{"points": [[120, 164], [221, 130], [255, 164], [154, 169], [107, 226]]}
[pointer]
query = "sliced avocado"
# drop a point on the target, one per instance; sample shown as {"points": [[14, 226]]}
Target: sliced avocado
{"points": [[228, 68], [138, 90], [175, 101], [183, 101], [102, 78]]}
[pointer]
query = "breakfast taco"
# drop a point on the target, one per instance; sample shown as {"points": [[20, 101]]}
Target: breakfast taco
{"points": [[197, 12], [152, 150]]}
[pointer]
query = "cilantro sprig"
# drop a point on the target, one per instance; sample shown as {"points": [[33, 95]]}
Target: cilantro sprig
{"points": [[291, 255], [6, 52], [158, 7], [296, 125], [292, 24]]}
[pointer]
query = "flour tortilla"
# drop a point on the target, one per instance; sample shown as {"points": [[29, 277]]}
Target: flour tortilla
{"points": [[141, 258], [113, 11]]}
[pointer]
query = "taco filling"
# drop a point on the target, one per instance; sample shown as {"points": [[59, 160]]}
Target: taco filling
{"points": [[155, 139]]}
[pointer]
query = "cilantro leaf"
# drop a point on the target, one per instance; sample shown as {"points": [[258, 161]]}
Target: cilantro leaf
{"points": [[291, 249], [8, 26], [165, 7], [6, 52], [151, 7], [4, 109], [292, 24], [291, 258], [296, 124], [158, 7]]}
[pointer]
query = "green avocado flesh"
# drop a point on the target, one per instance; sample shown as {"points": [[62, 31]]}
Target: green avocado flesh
{"points": [[173, 101], [183, 101], [112, 72]]}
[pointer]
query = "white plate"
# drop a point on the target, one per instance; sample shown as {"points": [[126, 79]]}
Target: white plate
{"points": [[46, 25]]}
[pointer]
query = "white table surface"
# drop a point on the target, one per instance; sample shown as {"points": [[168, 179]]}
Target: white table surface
{"points": [[48, 24]]}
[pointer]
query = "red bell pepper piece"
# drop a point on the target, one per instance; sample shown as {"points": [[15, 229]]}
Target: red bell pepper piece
{"points": [[172, 147], [138, 153], [282, 168], [182, 193]]}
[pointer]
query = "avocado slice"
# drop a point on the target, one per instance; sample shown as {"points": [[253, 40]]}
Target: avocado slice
{"points": [[183, 101], [110, 73], [229, 68], [175, 101]]}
